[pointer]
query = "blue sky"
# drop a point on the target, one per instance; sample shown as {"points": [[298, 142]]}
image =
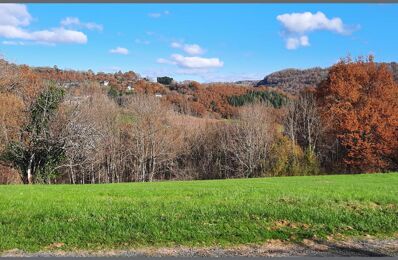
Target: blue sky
{"points": [[205, 42]]}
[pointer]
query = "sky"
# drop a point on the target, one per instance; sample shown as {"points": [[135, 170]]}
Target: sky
{"points": [[203, 42]]}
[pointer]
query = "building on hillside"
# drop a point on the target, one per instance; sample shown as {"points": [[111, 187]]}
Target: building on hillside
{"points": [[104, 83]]}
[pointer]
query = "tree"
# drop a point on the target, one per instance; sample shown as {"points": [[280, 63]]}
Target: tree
{"points": [[37, 151], [247, 141], [154, 144], [88, 130], [359, 106], [302, 123], [165, 80]]}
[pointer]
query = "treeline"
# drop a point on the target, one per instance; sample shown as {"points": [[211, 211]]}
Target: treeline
{"points": [[273, 98], [349, 124]]}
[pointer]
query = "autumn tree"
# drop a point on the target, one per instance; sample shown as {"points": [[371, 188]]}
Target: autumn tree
{"points": [[36, 150], [359, 106]]}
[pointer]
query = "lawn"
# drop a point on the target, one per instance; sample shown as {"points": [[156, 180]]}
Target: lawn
{"points": [[196, 213]]}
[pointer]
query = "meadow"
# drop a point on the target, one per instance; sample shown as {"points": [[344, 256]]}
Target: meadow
{"points": [[196, 213]]}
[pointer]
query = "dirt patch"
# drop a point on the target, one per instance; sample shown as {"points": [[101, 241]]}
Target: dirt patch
{"points": [[348, 247], [281, 224]]}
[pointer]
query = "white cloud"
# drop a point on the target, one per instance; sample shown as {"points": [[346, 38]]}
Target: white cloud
{"points": [[306, 22], [70, 21], [158, 14], [74, 21], [25, 43], [139, 41], [119, 50], [13, 17], [293, 43], [165, 61], [191, 49], [57, 35], [296, 27], [193, 62], [176, 45], [16, 43]]}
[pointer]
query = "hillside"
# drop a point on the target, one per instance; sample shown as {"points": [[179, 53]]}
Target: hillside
{"points": [[294, 80], [211, 100]]}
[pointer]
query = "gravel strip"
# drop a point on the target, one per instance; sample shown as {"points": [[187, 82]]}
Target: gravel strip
{"points": [[357, 247]]}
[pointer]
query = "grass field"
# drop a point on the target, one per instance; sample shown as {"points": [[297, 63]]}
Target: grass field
{"points": [[196, 213]]}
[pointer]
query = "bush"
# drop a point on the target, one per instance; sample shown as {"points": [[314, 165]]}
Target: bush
{"points": [[287, 159]]}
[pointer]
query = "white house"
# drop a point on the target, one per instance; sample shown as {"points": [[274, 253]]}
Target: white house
{"points": [[105, 83]]}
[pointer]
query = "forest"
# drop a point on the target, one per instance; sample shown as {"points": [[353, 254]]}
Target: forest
{"points": [[60, 126]]}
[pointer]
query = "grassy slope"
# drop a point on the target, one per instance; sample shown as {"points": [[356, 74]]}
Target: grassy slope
{"points": [[198, 213]]}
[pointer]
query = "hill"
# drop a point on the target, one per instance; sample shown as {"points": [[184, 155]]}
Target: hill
{"points": [[210, 100], [294, 80]]}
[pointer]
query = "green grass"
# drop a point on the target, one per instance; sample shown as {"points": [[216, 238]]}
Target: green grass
{"points": [[196, 213]]}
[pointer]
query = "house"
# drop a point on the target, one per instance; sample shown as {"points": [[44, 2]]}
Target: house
{"points": [[104, 83], [158, 95]]}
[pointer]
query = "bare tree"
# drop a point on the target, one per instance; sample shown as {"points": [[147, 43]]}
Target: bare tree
{"points": [[302, 123], [154, 143], [248, 140], [87, 126]]}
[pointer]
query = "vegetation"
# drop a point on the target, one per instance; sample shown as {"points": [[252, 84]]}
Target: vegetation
{"points": [[197, 213], [295, 80], [37, 151], [359, 106], [164, 80], [100, 134], [275, 99]]}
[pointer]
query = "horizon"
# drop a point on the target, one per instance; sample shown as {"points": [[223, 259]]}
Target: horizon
{"points": [[202, 42]]}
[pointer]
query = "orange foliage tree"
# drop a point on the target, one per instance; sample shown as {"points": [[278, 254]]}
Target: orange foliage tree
{"points": [[359, 106]]}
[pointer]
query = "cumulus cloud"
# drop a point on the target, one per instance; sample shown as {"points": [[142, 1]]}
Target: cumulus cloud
{"points": [[119, 50], [306, 22], [191, 49], [57, 35], [14, 15], [196, 62], [295, 42], [297, 26], [74, 21], [13, 19], [158, 14], [193, 62]]}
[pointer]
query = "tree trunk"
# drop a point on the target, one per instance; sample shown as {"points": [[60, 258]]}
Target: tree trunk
{"points": [[29, 171]]}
